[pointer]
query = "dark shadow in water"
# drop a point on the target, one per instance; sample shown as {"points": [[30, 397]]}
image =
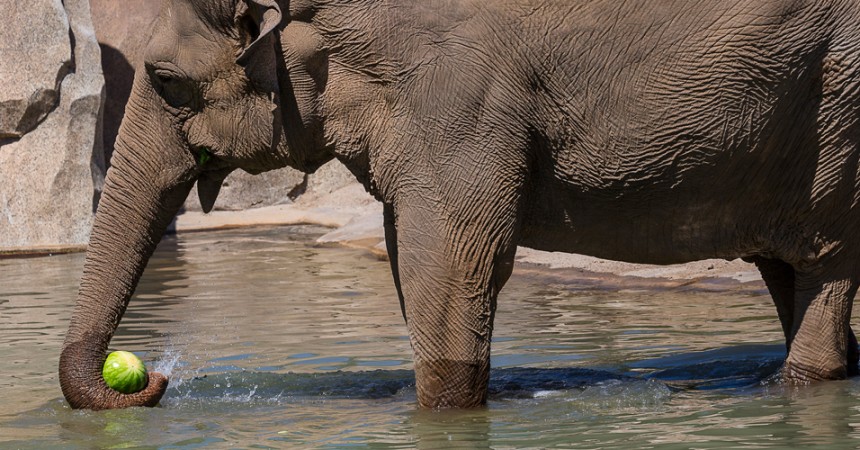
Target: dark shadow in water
{"points": [[152, 304], [378, 384], [524, 382], [727, 368], [735, 367], [724, 368]]}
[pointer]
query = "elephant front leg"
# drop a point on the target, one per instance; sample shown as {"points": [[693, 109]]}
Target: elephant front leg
{"points": [[821, 346], [448, 276]]}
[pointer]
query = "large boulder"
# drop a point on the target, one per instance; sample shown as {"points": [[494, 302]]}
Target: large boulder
{"points": [[32, 68], [244, 191], [51, 155]]}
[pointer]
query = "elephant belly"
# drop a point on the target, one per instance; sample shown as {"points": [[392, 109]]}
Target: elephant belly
{"points": [[642, 231]]}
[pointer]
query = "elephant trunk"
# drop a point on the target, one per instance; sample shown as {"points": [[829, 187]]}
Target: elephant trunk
{"points": [[151, 175]]}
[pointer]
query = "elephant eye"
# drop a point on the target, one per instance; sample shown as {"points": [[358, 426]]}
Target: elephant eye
{"points": [[176, 91], [164, 78]]}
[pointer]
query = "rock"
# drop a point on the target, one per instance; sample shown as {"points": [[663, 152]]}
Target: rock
{"points": [[51, 155], [122, 28], [321, 189], [363, 231], [243, 191], [330, 178], [355, 216], [710, 268], [34, 60]]}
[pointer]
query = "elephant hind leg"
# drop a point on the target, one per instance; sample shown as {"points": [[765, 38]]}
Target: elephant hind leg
{"points": [[780, 279], [823, 345]]}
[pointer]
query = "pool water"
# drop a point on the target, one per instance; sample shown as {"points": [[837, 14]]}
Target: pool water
{"points": [[271, 341]]}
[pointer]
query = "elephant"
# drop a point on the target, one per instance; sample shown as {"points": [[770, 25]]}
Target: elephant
{"points": [[650, 132]]}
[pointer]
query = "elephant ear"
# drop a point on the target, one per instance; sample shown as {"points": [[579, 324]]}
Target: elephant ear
{"points": [[256, 19]]}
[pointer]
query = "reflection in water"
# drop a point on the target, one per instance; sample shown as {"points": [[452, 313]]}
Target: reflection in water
{"points": [[155, 300], [820, 412], [35, 294], [444, 429], [274, 342]]}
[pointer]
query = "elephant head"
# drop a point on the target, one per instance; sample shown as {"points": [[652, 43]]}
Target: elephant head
{"points": [[213, 95]]}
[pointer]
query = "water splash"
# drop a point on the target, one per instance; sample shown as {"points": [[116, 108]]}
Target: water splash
{"points": [[168, 361], [622, 396]]}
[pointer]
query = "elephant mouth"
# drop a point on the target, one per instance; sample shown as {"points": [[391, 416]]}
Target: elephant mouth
{"points": [[204, 156], [208, 161]]}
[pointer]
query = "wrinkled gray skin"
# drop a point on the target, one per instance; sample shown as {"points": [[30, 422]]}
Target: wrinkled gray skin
{"points": [[644, 131]]}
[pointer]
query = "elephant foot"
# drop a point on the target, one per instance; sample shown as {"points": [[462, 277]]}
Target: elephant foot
{"points": [[451, 384], [797, 373]]}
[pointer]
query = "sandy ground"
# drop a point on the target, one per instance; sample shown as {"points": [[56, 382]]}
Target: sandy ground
{"points": [[356, 221], [736, 270]]}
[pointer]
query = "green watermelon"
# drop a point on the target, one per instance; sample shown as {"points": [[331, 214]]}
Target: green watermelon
{"points": [[124, 372]]}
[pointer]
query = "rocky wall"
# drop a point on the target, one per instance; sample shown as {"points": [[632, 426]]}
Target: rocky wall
{"points": [[51, 96]]}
